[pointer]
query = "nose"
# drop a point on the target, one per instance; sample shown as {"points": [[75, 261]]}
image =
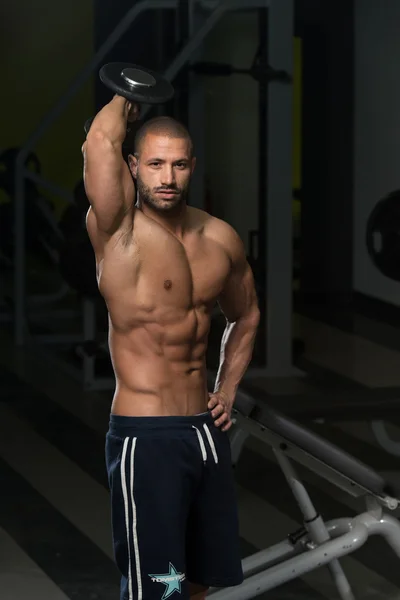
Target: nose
{"points": [[167, 175]]}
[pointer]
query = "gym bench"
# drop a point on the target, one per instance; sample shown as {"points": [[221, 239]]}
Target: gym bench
{"points": [[373, 405], [316, 543]]}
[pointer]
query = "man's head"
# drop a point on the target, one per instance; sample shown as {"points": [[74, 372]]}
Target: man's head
{"points": [[162, 163]]}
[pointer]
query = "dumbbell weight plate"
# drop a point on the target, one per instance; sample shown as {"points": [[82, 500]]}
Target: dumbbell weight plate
{"points": [[136, 83]]}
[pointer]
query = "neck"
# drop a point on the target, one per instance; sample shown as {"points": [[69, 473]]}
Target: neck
{"points": [[175, 220]]}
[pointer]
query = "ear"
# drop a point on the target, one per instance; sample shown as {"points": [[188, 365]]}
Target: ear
{"points": [[193, 164], [133, 165]]}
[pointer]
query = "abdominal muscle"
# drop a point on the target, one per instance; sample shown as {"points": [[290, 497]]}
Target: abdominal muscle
{"points": [[160, 368]]}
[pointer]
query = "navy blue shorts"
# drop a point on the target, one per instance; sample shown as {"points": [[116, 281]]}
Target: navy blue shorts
{"points": [[173, 503]]}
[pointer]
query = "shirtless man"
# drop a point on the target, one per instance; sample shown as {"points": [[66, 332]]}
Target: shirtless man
{"points": [[161, 267]]}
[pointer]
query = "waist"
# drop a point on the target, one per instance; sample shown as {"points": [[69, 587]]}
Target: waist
{"points": [[155, 388], [122, 426]]}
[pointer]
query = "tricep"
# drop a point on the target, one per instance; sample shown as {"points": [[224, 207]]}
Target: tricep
{"points": [[108, 183]]}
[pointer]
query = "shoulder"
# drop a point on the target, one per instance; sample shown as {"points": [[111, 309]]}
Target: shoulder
{"points": [[223, 234]]}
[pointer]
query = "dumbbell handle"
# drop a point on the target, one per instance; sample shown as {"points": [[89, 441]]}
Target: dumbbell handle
{"points": [[259, 72]]}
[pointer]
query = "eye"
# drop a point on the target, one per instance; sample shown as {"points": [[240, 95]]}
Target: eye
{"points": [[181, 165]]}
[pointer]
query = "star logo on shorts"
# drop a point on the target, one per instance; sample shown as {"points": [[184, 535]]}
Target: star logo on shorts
{"points": [[171, 580]]}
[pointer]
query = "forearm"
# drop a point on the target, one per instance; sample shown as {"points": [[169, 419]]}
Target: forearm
{"points": [[111, 121], [236, 351]]}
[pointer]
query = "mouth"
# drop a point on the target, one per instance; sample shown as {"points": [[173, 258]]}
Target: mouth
{"points": [[167, 194]]}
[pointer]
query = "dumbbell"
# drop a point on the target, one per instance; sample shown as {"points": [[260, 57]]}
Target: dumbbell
{"points": [[137, 84]]}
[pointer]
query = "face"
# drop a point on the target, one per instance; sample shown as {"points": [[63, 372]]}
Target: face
{"points": [[163, 171]]}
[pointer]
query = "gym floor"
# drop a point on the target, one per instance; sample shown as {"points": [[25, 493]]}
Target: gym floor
{"points": [[54, 508]]}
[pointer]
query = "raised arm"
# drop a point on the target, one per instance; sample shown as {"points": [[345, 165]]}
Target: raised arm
{"points": [[108, 181], [238, 302]]}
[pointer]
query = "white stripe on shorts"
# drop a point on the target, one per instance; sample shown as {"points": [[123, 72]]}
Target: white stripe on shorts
{"points": [[202, 444], [134, 518], [211, 442]]}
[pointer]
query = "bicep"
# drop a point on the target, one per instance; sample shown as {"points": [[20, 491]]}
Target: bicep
{"points": [[108, 182]]}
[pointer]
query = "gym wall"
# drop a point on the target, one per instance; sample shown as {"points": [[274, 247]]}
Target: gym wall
{"points": [[43, 50], [377, 127], [231, 110]]}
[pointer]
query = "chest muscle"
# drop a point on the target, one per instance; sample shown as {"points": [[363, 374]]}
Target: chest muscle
{"points": [[159, 270]]}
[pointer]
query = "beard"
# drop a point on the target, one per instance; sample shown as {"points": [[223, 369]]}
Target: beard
{"points": [[149, 196]]}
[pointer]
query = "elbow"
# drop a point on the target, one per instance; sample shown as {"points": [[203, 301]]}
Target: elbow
{"points": [[96, 137], [100, 143], [103, 136], [250, 319]]}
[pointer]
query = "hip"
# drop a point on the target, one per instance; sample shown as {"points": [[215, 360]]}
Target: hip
{"points": [[150, 398]]}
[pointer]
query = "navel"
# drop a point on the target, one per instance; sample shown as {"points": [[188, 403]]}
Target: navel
{"points": [[168, 284]]}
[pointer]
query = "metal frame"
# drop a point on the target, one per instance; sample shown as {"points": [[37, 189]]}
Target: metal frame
{"points": [[317, 543], [85, 373], [88, 375], [279, 264], [196, 117], [199, 36], [277, 235], [379, 430], [250, 427]]}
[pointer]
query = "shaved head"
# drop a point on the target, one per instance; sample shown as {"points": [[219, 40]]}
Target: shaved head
{"points": [[162, 164], [162, 126]]}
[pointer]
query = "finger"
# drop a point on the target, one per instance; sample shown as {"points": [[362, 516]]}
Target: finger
{"points": [[227, 425], [222, 419], [136, 110], [133, 112], [213, 401], [218, 410]]}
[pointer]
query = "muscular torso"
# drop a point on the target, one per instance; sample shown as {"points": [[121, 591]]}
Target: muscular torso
{"points": [[160, 292]]}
